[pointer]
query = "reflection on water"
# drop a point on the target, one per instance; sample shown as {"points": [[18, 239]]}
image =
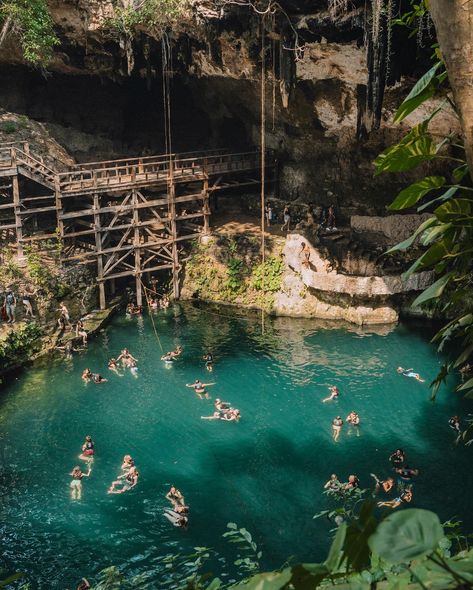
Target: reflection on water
{"points": [[265, 473]]}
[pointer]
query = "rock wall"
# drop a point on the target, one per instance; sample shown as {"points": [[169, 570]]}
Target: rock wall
{"points": [[395, 228]]}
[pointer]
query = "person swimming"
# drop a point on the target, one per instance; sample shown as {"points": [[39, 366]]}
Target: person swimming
{"points": [[76, 483], [387, 484], [128, 481], [230, 415], [176, 352], [352, 483], [127, 464], [175, 497], [86, 375], [176, 518], [97, 378], [410, 373], [168, 357], [209, 360], [88, 450], [113, 366], [199, 387], [220, 405], [354, 420], [337, 424], [404, 498], [333, 483], [397, 458], [406, 473], [126, 357], [454, 424], [334, 393]]}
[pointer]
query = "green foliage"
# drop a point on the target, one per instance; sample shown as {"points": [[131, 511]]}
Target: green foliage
{"points": [[38, 271], [9, 271], [234, 284], [19, 344], [8, 127], [154, 15], [31, 20], [273, 272], [248, 554]]}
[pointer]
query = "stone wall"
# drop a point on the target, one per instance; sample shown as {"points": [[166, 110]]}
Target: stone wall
{"points": [[395, 228]]}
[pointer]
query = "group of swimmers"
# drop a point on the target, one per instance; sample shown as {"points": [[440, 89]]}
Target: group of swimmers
{"points": [[179, 514], [405, 473], [162, 303], [223, 411]]}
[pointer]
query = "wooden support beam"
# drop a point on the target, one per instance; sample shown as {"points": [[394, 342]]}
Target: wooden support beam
{"points": [[132, 273], [18, 220], [98, 246], [206, 207], [136, 244], [172, 215]]}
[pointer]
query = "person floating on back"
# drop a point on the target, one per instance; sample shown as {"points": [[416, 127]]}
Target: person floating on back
{"points": [[410, 373]]}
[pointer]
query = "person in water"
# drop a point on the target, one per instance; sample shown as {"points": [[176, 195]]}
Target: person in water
{"points": [[387, 484], [88, 450], [230, 415], [397, 458], [352, 483], [334, 393], [333, 483], [83, 584], [337, 424], [199, 387], [168, 357], [127, 464], [125, 356], [454, 424], [220, 405], [97, 378], [354, 420], [176, 352], [128, 481], [406, 473], [405, 497], [410, 373], [175, 497], [86, 375], [178, 519], [113, 366], [209, 361], [76, 483]]}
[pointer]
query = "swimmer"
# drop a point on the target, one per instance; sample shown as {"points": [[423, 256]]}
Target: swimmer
{"points": [[410, 373], [84, 584], [125, 356], [175, 497], [354, 420], [334, 393], [88, 450], [406, 473], [97, 378], [219, 405], [113, 366], [387, 484], [352, 483], [199, 387], [397, 458], [127, 464], [231, 415], [465, 371], [177, 519], [128, 481], [168, 357], [76, 483], [337, 424], [454, 424], [86, 375], [176, 352], [405, 497], [209, 360], [333, 483]]}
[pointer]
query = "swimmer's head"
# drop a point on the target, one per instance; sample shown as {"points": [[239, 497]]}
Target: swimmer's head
{"points": [[88, 438]]}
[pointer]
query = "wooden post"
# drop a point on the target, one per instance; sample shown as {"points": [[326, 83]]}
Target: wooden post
{"points": [[59, 211], [98, 247], [206, 206], [136, 243], [172, 213], [18, 221]]}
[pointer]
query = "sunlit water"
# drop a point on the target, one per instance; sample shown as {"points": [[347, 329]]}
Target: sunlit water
{"points": [[265, 473]]}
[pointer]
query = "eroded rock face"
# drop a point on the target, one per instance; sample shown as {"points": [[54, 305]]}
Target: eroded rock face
{"points": [[394, 227]]}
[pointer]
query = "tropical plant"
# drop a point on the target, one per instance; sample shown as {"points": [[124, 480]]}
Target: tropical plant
{"points": [[155, 15], [31, 21]]}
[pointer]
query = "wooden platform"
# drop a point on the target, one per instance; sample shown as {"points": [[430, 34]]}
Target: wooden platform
{"points": [[129, 217]]}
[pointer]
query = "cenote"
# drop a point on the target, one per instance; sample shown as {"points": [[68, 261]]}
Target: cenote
{"points": [[265, 473]]}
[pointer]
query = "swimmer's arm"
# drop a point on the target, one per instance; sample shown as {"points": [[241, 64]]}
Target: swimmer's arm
{"points": [[86, 474]]}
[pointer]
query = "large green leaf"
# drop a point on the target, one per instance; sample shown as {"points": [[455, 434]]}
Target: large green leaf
{"points": [[434, 291], [267, 581], [424, 82], [406, 535], [335, 555], [433, 233], [410, 104], [435, 253], [413, 193], [413, 149], [446, 195], [453, 210]]}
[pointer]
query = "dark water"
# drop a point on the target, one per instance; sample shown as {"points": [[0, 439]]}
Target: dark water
{"points": [[265, 473]]}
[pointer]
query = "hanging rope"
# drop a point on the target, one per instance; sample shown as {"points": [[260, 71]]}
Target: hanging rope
{"points": [[263, 158], [151, 316]]}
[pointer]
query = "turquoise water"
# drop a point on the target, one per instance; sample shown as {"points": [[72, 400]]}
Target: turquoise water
{"points": [[265, 473]]}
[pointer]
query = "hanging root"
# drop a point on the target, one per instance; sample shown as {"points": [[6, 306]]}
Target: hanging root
{"points": [[337, 8]]}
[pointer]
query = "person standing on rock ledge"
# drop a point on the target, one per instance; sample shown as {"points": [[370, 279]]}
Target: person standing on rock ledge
{"points": [[9, 306], [287, 219]]}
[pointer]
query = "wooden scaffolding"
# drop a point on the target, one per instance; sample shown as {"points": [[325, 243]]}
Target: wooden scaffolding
{"points": [[129, 217]]}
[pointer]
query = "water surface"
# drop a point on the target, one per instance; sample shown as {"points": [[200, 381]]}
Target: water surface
{"points": [[265, 473]]}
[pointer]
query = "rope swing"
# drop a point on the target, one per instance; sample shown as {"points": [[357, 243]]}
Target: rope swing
{"points": [[263, 163]]}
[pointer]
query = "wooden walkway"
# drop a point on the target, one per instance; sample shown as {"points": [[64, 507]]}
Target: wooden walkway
{"points": [[129, 217]]}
